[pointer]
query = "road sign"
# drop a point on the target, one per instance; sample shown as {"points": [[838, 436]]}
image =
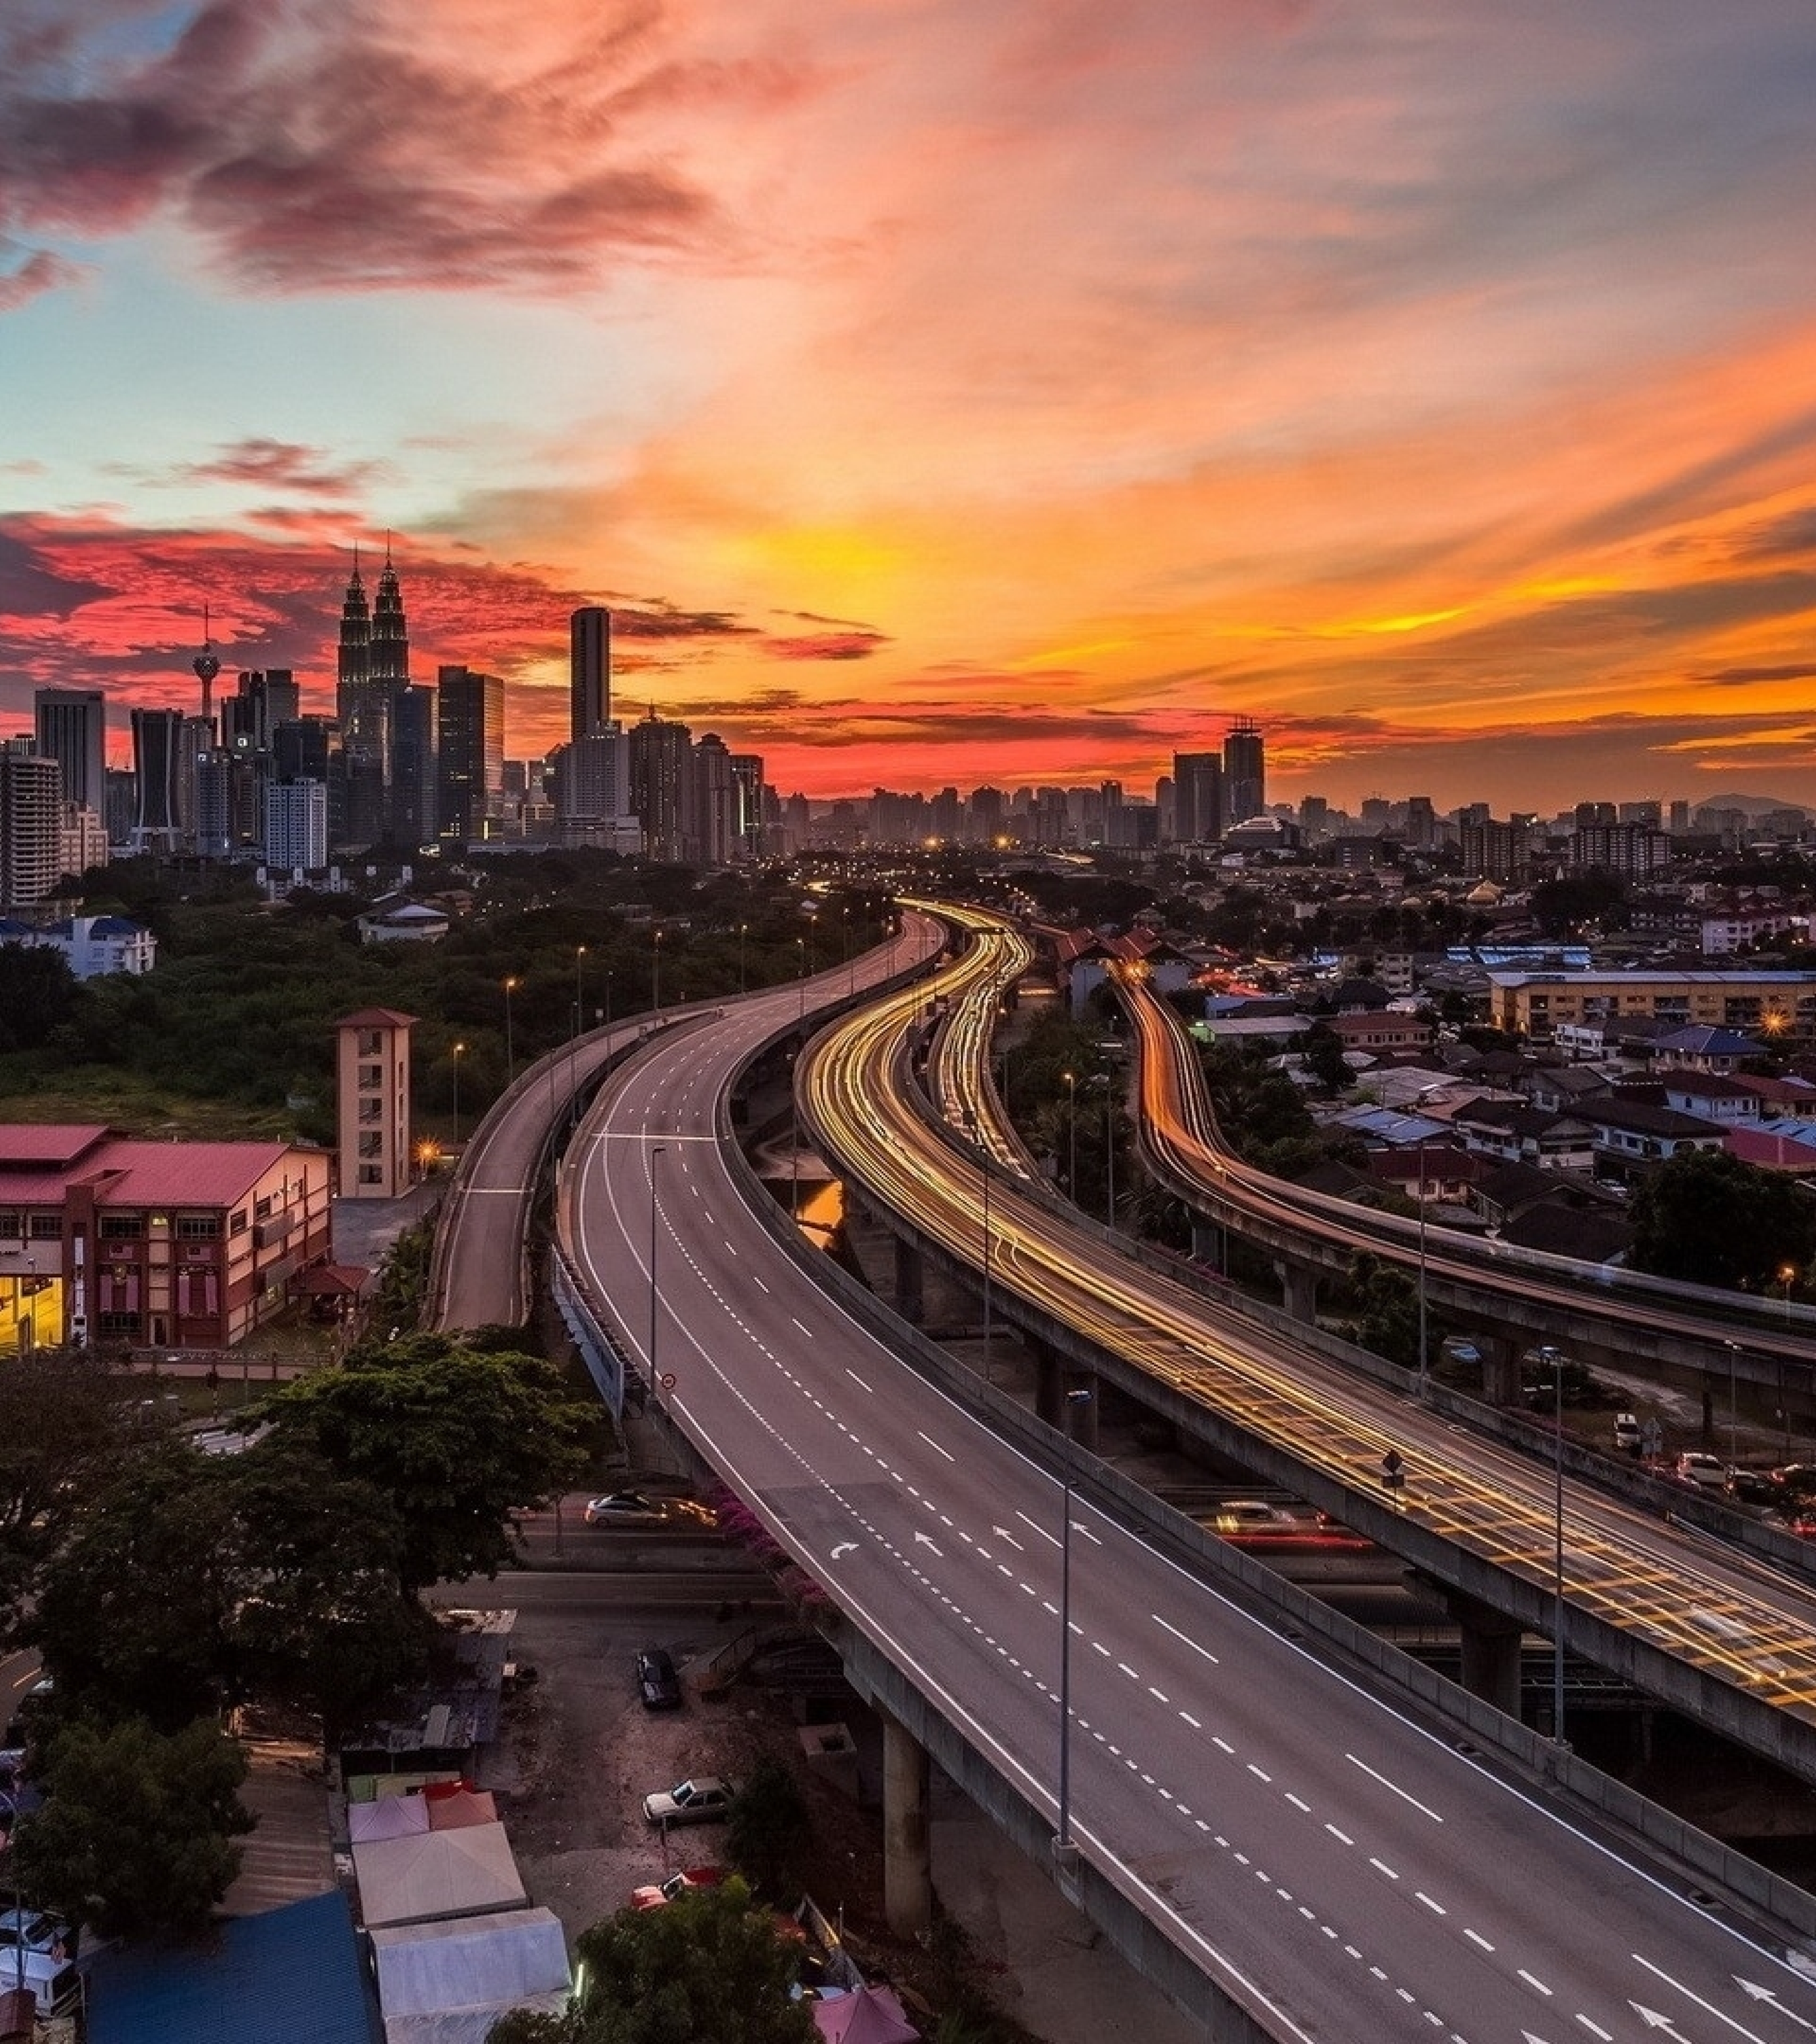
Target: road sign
{"points": [[668, 1380], [1393, 1469]]}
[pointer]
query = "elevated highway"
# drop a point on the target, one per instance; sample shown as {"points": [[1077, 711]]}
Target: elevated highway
{"points": [[1724, 1638], [1592, 1310], [1296, 1856]]}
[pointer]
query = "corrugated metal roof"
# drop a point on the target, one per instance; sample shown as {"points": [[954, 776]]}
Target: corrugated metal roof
{"points": [[291, 1977]]}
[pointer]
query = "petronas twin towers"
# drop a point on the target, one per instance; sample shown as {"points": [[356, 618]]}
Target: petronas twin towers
{"points": [[381, 752]]}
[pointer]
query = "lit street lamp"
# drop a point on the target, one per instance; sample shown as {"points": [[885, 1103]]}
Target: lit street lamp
{"points": [[655, 972], [510, 1050], [742, 930], [656, 1152], [1787, 1277], [1065, 1853], [459, 1052], [579, 990], [1733, 1349], [1423, 1320]]}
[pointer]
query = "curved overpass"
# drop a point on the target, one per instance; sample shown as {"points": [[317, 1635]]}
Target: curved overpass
{"points": [[1628, 1314], [1726, 1639], [1321, 1864]]}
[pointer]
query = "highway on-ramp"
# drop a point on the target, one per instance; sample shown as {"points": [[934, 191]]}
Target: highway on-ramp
{"points": [[1335, 1868]]}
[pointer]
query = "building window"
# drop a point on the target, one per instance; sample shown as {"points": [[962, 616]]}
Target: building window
{"points": [[372, 1078], [372, 1146], [121, 1227], [46, 1227], [237, 1225], [371, 1175], [371, 1043], [119, 1324], [262, 1211], [12, 1224], [198, 1227]]}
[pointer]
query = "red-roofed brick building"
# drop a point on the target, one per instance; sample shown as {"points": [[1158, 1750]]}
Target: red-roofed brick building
{"points": [[183, 1245]]}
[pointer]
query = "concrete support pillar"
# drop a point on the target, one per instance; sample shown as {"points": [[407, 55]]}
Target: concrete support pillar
{"points": [[1049, 1383], [907, 1851], [1207, 1241], [1500, 1369], [910, 1278], [1490, 1652], [1298, 1292], [1084, 1417]]}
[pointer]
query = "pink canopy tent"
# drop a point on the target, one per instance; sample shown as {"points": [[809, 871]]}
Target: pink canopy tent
{"points": [[872, 2016], [390, 1817]]}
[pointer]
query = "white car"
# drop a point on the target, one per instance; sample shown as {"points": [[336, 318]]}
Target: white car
{"points": [[705, 1799], [1705, 1472], [624, 1508]]}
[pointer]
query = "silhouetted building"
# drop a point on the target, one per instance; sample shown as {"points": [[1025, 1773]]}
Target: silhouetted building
{"points": [[71, 728], [157, 760], [1197, 798], [1245, 772], [469, 753], [590, 657]]}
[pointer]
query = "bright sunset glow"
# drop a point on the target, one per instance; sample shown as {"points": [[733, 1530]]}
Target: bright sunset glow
{"points": [[942, 391]]}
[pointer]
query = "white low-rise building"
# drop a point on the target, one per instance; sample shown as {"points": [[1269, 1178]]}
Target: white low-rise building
{"points": [[95, 946]]}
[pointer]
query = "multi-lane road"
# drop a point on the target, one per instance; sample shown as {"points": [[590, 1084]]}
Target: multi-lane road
{"points": [[1334, 1867]]}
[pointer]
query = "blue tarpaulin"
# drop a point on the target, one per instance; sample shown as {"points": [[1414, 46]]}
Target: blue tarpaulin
{"points": [[292, 1976]]}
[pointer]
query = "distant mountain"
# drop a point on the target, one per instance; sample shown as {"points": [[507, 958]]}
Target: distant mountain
{"points": [[1754, 805]]}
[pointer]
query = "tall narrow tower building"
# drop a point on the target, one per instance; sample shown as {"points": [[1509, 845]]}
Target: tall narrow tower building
{"points": [[589, 632]]}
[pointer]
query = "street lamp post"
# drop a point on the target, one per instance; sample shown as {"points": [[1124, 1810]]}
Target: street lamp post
{"points": [[579, 990], [1424, 1322], [657, 1151], [801, 974], [655, 972], [1065, 1853], [1070, 1079], [1733, 1349], [1556, 1361], [742, 929], [459, 1052], [1110, 1152], [1787, 1277], [511, 1048]]}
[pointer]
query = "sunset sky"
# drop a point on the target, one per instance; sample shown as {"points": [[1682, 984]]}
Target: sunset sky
{"points": [[942, 391]]}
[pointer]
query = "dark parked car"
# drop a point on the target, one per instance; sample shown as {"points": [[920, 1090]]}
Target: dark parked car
{"points": [[657, 1681]]}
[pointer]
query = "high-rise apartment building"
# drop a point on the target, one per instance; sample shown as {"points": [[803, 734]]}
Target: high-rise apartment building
{"points": [[295, 825], [72, 726], [1632, 851], [747, 777], [661, 783], [469, 753], [590, 663], [1197, 798], [31, 821], [1245, 772], [413, 776]]}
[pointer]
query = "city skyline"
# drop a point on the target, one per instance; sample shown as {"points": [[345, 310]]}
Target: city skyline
{"points": [[924, 386]]}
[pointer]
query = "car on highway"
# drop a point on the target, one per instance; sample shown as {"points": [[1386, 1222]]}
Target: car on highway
{"points": [[1703, 1472], [624, 1508], [705, 1800], [662, 1893], [657, 1683]]}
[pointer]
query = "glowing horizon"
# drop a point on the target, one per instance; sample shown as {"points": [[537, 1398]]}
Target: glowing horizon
{"points": [[976, 391]]}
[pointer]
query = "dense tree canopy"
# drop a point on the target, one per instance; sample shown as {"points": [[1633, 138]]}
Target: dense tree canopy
{"points": [[1708, 1218], [135, 1835], [709, 1965], [456, 1438]]}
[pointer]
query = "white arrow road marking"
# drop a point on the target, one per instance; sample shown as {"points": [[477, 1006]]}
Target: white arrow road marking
{"points": [[1658, 1972], [1653, 2020], [1003, 1533], [926, 1540], [1766, 1995], [844, 1547]]}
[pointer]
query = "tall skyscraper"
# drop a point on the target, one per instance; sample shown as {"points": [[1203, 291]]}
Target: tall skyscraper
{"points": [[31, 824], [1198, 798], [365, 718], [157, 760], [470, 752], [661, 782], [72, 730], [413, 767], [589, 636], [747, 776], [1245, 772]]}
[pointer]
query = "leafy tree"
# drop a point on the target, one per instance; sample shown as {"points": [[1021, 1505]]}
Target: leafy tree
{"points": [[136, 1834], [770, 1832], [323, 1618], [133, 1620], [1323, 1050], [1708, 1218], [456, 1440], [68, 1421], [709, 1965], [37, 993], [1577, 901], [1387, 1320]]}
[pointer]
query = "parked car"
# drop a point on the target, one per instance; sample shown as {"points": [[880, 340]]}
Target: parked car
{"points": [[1705, 1472], [1628, 1433], [676, 1885], [34, 1931], [657, 1683], [624, 1508], [705, 1799]]}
